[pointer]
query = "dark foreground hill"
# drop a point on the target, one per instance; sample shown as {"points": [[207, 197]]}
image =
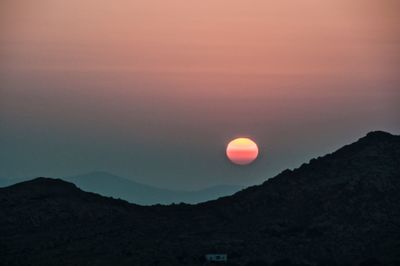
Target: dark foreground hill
{"points": [[341, 209]]}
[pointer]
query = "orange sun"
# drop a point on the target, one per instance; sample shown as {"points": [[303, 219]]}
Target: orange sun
{"points": [[242, 151]]}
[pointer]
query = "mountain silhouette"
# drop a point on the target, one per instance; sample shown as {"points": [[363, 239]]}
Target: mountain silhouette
{"points": [[340, 209], [114, 186], [110, 185]]}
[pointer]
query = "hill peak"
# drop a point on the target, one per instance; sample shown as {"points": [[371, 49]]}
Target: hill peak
{"points": [[45, 185], [45, 181], [379, 135], [371, 144]]}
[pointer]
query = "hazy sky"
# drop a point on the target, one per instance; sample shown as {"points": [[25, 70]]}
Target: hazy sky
{"points": [[154, 89]]}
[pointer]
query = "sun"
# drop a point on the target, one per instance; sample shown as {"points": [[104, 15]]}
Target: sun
{"points": [[242, 151]]}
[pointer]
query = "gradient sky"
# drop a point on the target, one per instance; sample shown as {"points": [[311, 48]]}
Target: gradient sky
{"points": [[154, 89]]}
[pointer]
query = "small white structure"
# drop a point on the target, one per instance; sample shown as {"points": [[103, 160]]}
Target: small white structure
{"points": [[216, 257]]}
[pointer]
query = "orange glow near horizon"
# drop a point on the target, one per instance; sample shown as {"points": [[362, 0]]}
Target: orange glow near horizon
{"points": [[242, 151]]}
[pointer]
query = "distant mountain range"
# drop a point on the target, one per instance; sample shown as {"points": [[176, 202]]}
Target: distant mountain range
{"points": [[114, 186], [110, 185], [340, 209]]}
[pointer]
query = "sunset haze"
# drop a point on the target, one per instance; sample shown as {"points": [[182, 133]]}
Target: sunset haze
{"points": [[154, 90]]}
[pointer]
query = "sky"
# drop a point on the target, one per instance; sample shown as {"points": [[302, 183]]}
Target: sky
{"points": [[154, 90]]}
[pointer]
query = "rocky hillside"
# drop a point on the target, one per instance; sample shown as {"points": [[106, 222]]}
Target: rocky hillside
{"points": [[340, 209]]}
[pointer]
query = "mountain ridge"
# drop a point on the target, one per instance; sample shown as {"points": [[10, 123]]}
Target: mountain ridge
{"points": [[111, 185], [339, 209], [119, 187]]}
